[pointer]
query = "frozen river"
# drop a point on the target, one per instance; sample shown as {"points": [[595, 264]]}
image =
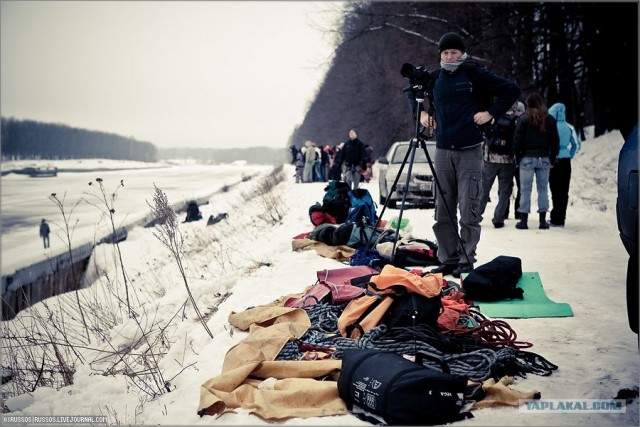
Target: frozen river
{"points": [[25, 201]]}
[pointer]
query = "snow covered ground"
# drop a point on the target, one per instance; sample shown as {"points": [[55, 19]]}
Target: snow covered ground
{"points": [[247, 260]]}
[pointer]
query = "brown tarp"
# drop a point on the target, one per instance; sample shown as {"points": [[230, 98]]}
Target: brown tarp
{"points": [[341, 253], [296, 393], [277, 390]]}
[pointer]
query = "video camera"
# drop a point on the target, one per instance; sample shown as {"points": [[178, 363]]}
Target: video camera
{"points": [[416, 75]]}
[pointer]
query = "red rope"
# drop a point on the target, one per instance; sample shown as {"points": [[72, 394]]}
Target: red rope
{"points": [[498, 333]]}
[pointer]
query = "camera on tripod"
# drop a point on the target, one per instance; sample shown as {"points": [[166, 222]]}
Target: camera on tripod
{"points": [[419, 79]]}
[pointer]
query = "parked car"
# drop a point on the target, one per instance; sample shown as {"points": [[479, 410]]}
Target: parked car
{"points": [[421, 186]]}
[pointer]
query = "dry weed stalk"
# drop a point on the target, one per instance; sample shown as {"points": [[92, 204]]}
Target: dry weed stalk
{"points": [[168, 233]]}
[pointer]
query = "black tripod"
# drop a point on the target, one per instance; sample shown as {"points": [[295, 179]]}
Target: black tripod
{"points": [[418, 140]]}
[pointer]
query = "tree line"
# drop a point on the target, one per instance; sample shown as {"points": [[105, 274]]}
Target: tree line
{"points": [[584, 55], [29, 139]]}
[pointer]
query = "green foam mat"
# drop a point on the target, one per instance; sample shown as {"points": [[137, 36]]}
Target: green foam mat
{"points": [[536, 303]]}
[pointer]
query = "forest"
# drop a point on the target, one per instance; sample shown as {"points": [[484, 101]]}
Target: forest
{"points": [[584, 54], [29, 139]]}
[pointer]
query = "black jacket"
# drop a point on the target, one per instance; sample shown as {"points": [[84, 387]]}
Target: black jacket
{"points": [[528, 141], [457, 96], [353, 153]]}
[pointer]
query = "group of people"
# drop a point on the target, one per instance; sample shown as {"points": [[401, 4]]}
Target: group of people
{"points": [[482, 132], [504, 150], [350, 161], [467, 103]]}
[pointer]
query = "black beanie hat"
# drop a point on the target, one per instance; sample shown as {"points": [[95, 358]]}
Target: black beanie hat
{"points": [[451, 41]]}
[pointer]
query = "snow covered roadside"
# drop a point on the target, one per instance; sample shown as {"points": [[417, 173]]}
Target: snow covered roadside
{"points": [[247, 261]]}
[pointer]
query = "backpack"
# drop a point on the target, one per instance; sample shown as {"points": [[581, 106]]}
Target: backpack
{"points": [[366, 312], [500, 135], [495, 280], [363, 208], [411, 309], [359, 235], [416, 252], [318, 216], [336, 201], [400, 391]]}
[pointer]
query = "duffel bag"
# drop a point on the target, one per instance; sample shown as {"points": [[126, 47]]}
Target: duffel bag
{"points": [[495, 280], [398, 390]]}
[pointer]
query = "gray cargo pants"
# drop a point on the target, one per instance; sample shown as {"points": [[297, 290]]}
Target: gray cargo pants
{"points": [[460, 177]]}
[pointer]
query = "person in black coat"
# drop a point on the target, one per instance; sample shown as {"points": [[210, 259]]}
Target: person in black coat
{"points": [[463, 97], [44, 232], [353, 156], [535, 145]]}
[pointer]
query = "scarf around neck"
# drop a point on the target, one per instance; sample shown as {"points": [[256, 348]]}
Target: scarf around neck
{"points": [[452, 66]]}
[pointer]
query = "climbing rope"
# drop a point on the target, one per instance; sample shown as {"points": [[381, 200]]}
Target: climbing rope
{"points": [[475, 365], [488, 349]]}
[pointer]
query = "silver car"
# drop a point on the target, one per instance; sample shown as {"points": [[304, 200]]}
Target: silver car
{"points": [[421, 186]]}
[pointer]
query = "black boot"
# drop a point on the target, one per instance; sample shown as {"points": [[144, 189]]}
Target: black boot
{"points": [[522, 225], [544, 225]]}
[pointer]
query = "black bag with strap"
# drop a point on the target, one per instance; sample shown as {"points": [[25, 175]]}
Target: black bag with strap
{"points": [[500, 136], [410, 309], [398, 390], [495, 280]]}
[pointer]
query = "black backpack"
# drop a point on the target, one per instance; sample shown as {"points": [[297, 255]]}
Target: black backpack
{"points": [[416, 252], [398, 390], [336, 201], [500, 135], [411, 309], [495, 280]]}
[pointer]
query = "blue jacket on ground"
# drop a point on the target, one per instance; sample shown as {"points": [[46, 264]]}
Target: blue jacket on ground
{"points": [[569, 141]]}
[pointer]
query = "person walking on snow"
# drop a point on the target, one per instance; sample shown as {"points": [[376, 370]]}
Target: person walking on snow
{"points": [[44, 233]]}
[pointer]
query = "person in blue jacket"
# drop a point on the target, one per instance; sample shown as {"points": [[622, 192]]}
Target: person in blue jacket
{"points": [[463, 98], [627, 218], [560, 174]]}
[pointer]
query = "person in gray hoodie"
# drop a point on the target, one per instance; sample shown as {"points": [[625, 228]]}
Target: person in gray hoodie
{"points": [[560, 175]]}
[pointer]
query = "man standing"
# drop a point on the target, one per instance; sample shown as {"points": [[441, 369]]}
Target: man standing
{"points": [[499, 163], [44, 233], [461, 100], [353, 158]]}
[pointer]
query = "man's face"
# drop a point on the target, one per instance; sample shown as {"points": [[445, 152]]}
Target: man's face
{"points": [[353, 134], [450, 55]]}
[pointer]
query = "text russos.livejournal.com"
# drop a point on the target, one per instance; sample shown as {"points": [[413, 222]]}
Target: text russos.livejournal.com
{"points": [[54, 419]]}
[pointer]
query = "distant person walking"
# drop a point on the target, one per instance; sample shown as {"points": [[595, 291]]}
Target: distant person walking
{"points": [[44, 232], [535, 145], [560, 175], [353, 157]]}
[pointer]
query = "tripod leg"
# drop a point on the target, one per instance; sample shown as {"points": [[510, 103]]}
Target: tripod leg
{"points": [[410, 152]]}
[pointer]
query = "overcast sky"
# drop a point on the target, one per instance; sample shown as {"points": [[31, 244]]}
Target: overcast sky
{"points": [[173, 73]]}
